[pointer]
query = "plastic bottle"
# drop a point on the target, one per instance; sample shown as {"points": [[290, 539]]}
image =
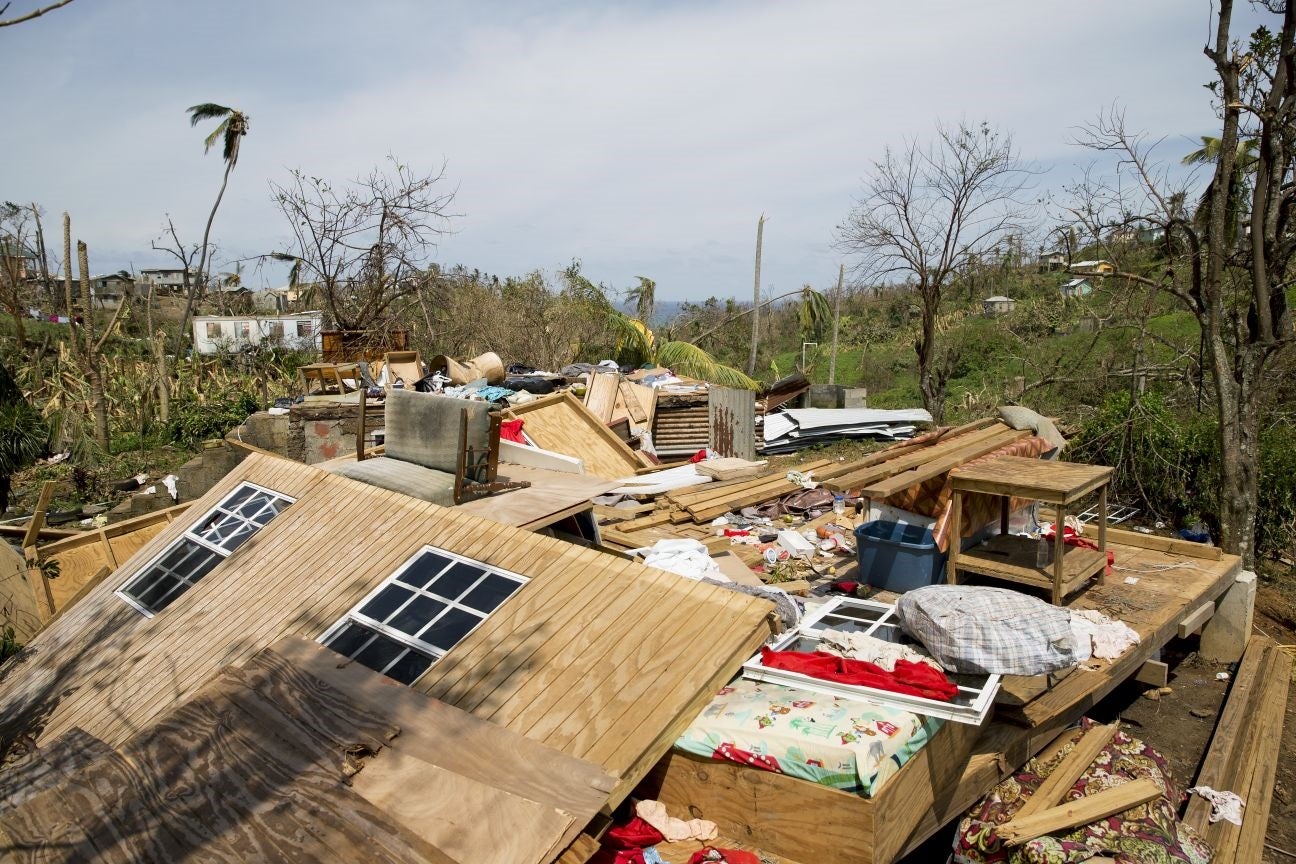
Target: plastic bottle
{"points": [[1042, 552], [839, 505]]}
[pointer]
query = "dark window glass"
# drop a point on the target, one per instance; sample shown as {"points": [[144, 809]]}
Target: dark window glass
{"points": [[422, 569], [455, 581], [416, 615], [449, 629], [387, 601], [492, 591]]}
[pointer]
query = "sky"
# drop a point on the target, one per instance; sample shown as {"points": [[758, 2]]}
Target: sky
{"points": [[643, 138]]}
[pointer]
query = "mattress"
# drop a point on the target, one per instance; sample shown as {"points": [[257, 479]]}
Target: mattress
{"points": [[846, 744]]}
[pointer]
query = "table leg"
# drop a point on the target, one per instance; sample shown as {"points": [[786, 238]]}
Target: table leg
{"points": [[955, 537], [1102, 532], [1059, 552], [1004, 502]]}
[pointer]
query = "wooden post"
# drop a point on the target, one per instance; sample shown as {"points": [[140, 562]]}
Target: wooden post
{"points": [[360, 425], [1004, 502], [38, 517], [1102, 531], [1059, 552], [955, 536]]}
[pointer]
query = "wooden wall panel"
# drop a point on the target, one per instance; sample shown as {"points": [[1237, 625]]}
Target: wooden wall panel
{"points": [[562, 424]]}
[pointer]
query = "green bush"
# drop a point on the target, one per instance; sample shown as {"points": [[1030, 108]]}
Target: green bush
{"points": [[195, 422]]}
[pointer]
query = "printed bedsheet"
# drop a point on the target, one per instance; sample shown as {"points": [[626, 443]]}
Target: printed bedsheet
{"points": [[848, 744]]}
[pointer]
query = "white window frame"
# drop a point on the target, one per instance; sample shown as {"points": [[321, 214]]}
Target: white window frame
{"points": [[411, 642], [976, 692], [191, 537]]}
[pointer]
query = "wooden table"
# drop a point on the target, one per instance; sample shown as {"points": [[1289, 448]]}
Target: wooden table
{"points": [[1061, 484], [327, 375]]}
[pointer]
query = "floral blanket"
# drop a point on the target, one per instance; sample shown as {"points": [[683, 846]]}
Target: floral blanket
{"points": [[848, 744], [1148, 834]]}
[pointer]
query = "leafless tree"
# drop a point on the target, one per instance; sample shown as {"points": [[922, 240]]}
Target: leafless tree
{"points": [[362, 246], [16, 250], [1235, 286], [926, 211]]}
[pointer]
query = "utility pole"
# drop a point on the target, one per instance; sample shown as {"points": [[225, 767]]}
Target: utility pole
{"points": [[832, 360], [756, 298]]}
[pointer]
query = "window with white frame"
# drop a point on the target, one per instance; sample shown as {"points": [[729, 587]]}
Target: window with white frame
{"points": [[212, 539], [420, 612]]}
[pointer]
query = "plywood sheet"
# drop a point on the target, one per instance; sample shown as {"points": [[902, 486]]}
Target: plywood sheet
{"points": [[562, 424], [601, 394]]}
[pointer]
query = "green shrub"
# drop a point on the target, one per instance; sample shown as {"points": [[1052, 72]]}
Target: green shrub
{"points": [[195, 422]]}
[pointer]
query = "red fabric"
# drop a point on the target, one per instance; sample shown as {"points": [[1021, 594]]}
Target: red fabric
{"points": [[635, 834], [1070, 538], [511, 430], [699, 456], [912, 679], [730, 753], [728, 856], [606, 855], [845, 586]]}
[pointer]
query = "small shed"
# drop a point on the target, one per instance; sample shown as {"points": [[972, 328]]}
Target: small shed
{"points": [[992, 307], [1076, 288]]}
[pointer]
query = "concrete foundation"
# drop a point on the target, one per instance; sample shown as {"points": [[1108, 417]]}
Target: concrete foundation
{"points": [[318, 432], [1225, 635]]}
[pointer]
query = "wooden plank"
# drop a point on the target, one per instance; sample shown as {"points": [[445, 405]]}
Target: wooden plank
{"points": [[1154, 673], [1194, 620], [1082, 811], [637, 399], [1139, 540], [1059, 782], [1266, 744], [601, 393], [37, 521], [936, 467], [731, 419], [893, 460], [1013, 558]]}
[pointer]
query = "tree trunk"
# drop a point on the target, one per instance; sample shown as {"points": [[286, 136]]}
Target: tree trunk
{"points": [[98, 403], [163, 376], [1239, 441], [756, 295], [67, 265], [192, 290], [20, 329], [930, 384], [832, 360]]}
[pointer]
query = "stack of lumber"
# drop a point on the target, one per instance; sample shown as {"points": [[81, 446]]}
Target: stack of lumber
{"points": [[1243, 754], [899, 466]]}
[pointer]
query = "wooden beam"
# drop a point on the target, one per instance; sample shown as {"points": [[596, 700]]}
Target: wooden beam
{"points": [[38, 517], [1193, 621], [1068, 771], [1082, 811]]}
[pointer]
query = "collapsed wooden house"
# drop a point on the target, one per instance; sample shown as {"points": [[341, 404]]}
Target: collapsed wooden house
{"points": [[592, 656]]}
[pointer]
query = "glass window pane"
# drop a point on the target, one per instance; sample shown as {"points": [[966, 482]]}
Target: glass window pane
{"points": [[386, 602], [239, 495], [379, 653], [493, 591], [350, 639], [449, 629], [172, 575], [416, 615], [455, 581], [407, 669], [422, 569]]}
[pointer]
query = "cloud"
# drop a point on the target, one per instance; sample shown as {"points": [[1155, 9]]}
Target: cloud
{"points": [[641, 138]]}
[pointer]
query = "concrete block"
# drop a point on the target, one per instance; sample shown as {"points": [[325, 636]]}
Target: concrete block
{"points": [[1224, 637], [855, 397], [827, 396]]}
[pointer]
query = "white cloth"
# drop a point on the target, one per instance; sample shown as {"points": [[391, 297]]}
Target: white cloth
{"points": [[1096, 635], [684, 557], [870, 649], [1224, 805], [674, 830]]}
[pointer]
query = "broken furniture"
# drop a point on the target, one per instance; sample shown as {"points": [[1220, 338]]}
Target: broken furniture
{"points": [[1004, 556], [436, 449], [403, 366], [329, 378]]}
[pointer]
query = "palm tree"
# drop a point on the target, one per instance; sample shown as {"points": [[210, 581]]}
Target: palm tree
{"points": [[639, 345], [231, 129], [1244, 165], [644, 296]]}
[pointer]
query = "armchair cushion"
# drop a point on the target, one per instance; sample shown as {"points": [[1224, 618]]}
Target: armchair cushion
{"points": [[407, 478], [423, 428]]}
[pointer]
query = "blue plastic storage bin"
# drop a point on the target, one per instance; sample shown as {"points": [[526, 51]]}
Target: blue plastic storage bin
{"points": [[898, 557]]}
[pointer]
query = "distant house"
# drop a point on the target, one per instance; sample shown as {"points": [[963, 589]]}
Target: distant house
{"points": [[1047, 262], [1093, 268], [165, 280], [1076, 288], [216, 333], [994, 306], [109, 290]]}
